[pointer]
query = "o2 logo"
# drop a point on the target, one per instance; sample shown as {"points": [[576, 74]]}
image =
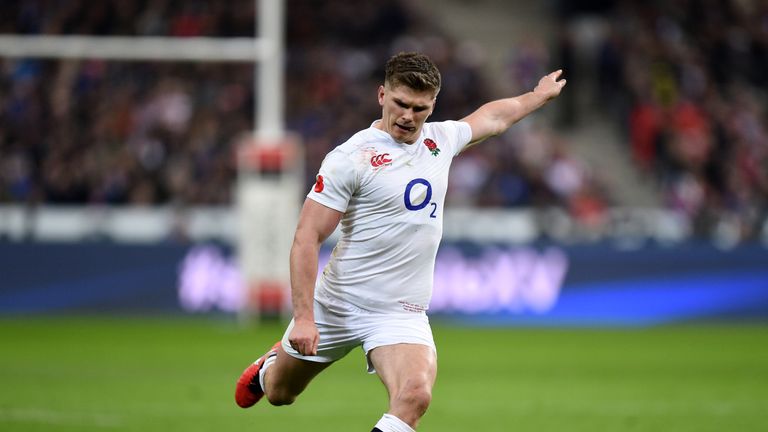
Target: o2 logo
{"points": [[410, 205]]}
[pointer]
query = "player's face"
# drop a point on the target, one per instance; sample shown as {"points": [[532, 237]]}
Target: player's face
{"points": [[404, 111]]}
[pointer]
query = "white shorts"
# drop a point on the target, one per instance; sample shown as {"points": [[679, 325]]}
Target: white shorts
{"points": [[343, 327]]}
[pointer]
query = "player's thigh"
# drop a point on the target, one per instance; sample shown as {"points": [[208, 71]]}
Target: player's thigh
{"points": [[405, 366], [291, 374]]}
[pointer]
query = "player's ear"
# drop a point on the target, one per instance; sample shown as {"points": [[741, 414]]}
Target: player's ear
{"points": [[381, 95]]}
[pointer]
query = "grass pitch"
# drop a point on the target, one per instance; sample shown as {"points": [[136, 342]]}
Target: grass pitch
{"points": [[130, 374]]}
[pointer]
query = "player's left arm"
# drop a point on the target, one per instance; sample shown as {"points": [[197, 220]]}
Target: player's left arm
{"points": [[496, 117]]}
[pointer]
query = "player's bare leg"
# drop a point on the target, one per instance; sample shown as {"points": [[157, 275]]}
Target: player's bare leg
{"points": [[408, 371], [284, 378], [288, 377]]}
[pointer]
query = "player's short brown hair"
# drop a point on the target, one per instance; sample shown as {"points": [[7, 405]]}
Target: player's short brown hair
{"points": [[413, 70]]}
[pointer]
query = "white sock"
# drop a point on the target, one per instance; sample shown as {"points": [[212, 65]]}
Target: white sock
{"points": [[390, 423], [267, 363]]}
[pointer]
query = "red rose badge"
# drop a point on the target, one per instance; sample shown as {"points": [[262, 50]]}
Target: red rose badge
{"points": [[432, 146]]}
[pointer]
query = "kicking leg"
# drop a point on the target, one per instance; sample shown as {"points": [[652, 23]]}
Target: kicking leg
{"points": [[278, 375], [288, 377]]}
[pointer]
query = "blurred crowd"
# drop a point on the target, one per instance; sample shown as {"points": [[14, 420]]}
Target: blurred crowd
{"points": [[75, 132], [106, 132], [689, 80]]}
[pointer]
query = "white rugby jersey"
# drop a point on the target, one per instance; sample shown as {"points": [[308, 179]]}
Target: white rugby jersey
{"points": [[392, 197]]}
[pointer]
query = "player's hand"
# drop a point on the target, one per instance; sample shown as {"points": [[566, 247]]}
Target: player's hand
{"points": [[549, 86], [304, 337]]}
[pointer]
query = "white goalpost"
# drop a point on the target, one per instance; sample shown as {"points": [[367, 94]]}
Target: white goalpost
{"points": [[270, 171], [151, 48]]}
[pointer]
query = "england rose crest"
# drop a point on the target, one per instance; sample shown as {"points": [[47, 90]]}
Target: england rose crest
{"points": [[432, 146]]}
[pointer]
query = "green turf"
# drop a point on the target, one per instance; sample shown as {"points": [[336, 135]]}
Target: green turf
{"points": [[97, 374]]}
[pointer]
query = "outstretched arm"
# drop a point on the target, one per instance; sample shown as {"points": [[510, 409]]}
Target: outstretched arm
{"points": [[316, 223], [496, 117]]}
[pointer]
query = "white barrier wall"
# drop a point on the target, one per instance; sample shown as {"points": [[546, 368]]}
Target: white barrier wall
{"points": [[154, 224]]}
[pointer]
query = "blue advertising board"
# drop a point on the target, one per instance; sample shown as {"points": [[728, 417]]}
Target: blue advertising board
{"points": [[552, 285]]}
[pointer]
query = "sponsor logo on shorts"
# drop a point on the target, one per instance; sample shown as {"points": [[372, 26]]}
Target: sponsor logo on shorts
{"points": [[410, 307]]}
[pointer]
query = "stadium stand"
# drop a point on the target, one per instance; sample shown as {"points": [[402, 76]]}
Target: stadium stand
{"points": [[688, 80], [77, 132], [690, 99]]}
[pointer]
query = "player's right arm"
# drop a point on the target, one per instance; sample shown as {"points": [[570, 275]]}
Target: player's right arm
{"points": [[316, 223]]}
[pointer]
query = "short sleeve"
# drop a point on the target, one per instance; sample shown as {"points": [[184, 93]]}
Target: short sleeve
{"points": [[335, 182], [456, 133]]}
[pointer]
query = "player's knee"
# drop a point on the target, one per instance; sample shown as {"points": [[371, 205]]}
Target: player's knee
{"points": [[279, 397], [416, 399]]}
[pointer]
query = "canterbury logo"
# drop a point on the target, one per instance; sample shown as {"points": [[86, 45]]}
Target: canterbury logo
{"points": [[380, 160]]}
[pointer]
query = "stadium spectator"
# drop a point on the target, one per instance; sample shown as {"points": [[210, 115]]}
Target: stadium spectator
{"points": [[692, 76], [148, 133]]}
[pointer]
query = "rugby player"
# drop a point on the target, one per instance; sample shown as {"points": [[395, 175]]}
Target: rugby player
{"points": [[386, 186]]}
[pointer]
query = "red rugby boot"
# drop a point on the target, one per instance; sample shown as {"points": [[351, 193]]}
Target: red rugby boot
{"points": [[248, 390]]}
